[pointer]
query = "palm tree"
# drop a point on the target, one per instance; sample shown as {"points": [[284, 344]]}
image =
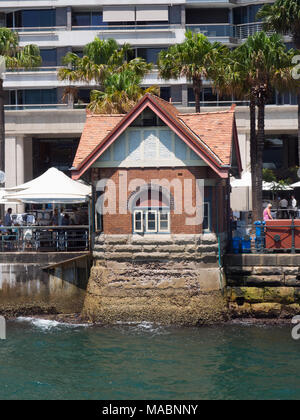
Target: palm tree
{"points": [[100, 59], [252, 71], [268, 67], [192, 59], [121, 92], [283, 17], [15, 57]]}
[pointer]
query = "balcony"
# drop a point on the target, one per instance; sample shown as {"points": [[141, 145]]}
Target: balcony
{"points": [[42, 77], [224, 32], [138, 35]]}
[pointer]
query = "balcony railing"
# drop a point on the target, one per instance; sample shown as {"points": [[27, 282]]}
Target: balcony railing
{"points": [[214, 31], [35, 69], [105, 28], [40, 29], [248, 29], [29, 107], [219, 103], [239, 32], [44, 239]]}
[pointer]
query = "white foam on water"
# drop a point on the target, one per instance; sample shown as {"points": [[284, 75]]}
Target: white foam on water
{"points": [[144, 327], [48, 324]]}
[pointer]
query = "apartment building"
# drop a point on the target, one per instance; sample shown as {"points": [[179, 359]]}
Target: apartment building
{"points": [[43, 131]]}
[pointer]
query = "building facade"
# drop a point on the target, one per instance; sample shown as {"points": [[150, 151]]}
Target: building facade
{"points": [[161, 193], [159, 171], [43, 131]]}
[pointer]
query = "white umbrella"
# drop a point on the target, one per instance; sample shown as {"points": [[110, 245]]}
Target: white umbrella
{"points": [[245, 181], [51, 187], [276, 186], [296, 185], [5, 201]]}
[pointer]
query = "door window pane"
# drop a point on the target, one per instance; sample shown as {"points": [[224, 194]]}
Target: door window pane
{"points": [[164, 225], [152, 221], [138, 221]]}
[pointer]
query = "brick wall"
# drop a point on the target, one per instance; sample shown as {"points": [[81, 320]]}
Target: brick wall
{"points": [[122, 223]]}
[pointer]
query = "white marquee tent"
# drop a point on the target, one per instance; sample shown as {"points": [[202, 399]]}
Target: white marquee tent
{"points": [[245, 181], [52, 187]]}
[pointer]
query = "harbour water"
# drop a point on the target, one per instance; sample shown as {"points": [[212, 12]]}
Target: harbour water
{"points": [[48, 360]]}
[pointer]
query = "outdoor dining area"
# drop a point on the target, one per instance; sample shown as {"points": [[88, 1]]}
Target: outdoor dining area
{"points": [[56, 216], [279, 228]]}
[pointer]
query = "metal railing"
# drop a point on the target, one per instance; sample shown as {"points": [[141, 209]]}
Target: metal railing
{"points": [[32, 29], [33, 69], [134, 27], [248, 29], [29, 107], [219, 103], [44, 239], [214, 30], [274, 236], [239, 32]]}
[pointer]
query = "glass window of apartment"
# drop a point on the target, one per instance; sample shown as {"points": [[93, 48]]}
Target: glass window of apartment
{"points": [[58, 153], [35, 18], [81, 19], [206, 16], [49, 57], [209, 96], [246, 14], [149, 54], [88, 19], [97, 19], [38, 97], [273, 153], [165, 93], [84, 96]]}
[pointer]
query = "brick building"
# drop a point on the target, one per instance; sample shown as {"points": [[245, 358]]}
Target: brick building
{"points": [[156, 171]]}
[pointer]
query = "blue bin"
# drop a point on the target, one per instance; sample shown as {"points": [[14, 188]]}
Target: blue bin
{"points": [[236, 243], [246, 245], [259, 228]]}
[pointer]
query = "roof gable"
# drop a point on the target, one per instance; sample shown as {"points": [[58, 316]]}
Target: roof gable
{"points": [[148, 147], [209, 135]]}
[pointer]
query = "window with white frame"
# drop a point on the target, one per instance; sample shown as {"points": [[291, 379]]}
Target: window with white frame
{"points": [[151, 221]]}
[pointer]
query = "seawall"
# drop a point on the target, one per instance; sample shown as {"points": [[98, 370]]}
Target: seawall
{"points": [[263, 285], [170, 279], [43, 283]]}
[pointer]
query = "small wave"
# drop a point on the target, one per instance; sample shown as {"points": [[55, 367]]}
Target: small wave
{"points": [[143, 327], [48, 324]]}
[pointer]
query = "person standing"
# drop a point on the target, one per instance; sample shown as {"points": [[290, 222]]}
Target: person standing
{"points": [[267, 213], [8, 219], [55, 218], [283, 205], [293, 211]]}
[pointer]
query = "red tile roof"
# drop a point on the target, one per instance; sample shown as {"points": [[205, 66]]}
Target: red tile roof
{"points": [[212, 132], [215, 130], [96, 128]]}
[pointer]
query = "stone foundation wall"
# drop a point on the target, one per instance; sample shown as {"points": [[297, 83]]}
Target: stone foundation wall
{"points": [[263, 286], [27, 288], [170, 279]]}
